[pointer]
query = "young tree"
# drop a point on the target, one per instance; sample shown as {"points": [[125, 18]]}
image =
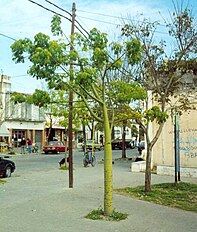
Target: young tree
{"points": [[94, 69], [162, 74], [126, 92]]}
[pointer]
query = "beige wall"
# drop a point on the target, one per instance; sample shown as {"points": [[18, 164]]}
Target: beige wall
{"points": [[163, 152]]}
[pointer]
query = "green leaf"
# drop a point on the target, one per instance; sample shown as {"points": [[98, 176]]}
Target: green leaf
{"points": [[18, 97], [56, 25], [156, 114]]}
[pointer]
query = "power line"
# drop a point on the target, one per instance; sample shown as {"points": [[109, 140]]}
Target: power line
{"points": [[59, 7], [116, 17], [115, 24], [67, 13], [96, 20], [50, 10], [101, 21], [22, 75], [82, 22], [7, 36], [54, 12], [112, 16]]}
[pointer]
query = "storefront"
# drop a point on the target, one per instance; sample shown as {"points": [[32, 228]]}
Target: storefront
{"points": [[4, 138]]}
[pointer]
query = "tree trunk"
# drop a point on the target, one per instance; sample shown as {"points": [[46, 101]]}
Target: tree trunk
{"points": [[149, 157], [84, 137], [92, 130], [108, 189], [148, 170]]}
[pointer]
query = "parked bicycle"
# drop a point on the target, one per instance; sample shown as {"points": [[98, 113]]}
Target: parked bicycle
{"points": [[35, 148], [89, 158]]}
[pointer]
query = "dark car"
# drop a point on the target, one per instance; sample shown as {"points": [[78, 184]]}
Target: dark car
{"points": [[117, 144], [141, 147], [7, 167], [54, 147]]}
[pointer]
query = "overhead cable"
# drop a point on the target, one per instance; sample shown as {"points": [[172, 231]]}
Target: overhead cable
{"points": [[67, 13], [7, 36], [54, 12]]}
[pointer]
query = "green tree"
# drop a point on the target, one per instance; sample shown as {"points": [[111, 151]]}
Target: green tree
{"points": [[40, 98], [126, 92], [17, 97], [94, 68], [162, 75]]}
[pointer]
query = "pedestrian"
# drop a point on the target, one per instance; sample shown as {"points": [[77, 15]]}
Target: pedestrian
{"points": [[23, 145], [29, 144]]}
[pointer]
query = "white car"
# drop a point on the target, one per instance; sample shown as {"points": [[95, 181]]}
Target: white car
{"points": [[92, 144]]}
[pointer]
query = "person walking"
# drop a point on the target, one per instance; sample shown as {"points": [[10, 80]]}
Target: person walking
{"points": [[23, 145], [29, 144]]}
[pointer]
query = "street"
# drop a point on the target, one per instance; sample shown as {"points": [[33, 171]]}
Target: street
{"points": [[37, 198], [35, 162]]}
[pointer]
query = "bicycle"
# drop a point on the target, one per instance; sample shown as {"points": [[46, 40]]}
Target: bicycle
{"points": [[89, 158], [35, 148]]}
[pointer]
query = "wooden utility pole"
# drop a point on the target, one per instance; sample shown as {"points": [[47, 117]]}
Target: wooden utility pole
{"points": [[70, 127]]}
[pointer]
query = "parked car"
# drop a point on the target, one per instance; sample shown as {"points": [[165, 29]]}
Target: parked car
{"points": [[7, 167], [117, 144], [54, 147], [141, 146], [132, 144], [90, 144]]}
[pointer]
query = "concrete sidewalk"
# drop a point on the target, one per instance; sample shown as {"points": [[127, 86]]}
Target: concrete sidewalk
{"points": [[42, 202]]}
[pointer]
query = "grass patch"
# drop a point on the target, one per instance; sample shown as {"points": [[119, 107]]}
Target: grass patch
{"points": [[99, 215], [64, 167], [178, 195], [2, 181]]}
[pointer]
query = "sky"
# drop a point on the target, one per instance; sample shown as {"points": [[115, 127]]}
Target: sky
{"points": [[22, 18]]}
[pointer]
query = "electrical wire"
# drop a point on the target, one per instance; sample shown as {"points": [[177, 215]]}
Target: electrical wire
{"points": [[71, 20], [113, 16], [59, 7], [54, 12], [101, 14], [84, 17], [101, 21], [67, 13], [7, 36], [115, 24]]}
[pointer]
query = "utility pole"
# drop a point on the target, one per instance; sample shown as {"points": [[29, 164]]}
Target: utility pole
{"points": [[70, 127], [177, 149]]}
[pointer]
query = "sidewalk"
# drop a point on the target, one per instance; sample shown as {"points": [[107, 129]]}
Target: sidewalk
{"points": [[42, 202]]}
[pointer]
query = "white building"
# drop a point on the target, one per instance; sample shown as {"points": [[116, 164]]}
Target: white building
{"points": [[20, 119]]}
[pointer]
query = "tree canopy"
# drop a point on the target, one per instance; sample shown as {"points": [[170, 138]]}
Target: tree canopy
{"points": [[96, 63], [162, 73]]}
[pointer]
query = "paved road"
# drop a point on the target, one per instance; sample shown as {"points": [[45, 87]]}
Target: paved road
{"points": [[26, 163], [41, 201]]}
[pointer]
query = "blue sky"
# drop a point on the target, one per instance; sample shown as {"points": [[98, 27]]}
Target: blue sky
{"points": [[21, 18]]}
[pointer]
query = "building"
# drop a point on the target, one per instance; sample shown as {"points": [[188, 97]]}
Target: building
{"points": [[25, 120], [163, 156], [22, 119], [164, 149]]}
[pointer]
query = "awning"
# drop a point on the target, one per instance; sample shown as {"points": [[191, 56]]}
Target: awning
{"points": [[4, 132]]}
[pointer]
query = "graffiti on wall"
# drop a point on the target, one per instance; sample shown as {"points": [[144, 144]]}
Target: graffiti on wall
{"points": [[188, 142], [188, 145]]}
